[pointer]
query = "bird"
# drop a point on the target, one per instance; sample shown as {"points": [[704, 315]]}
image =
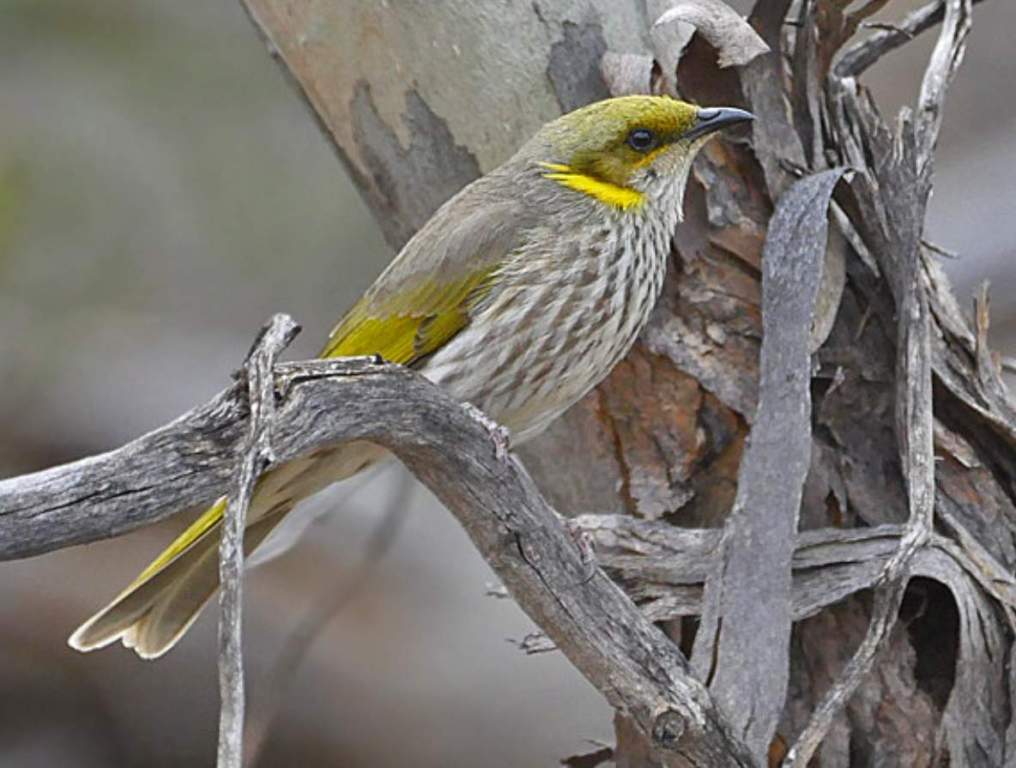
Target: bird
{"points": [[518, 296]]}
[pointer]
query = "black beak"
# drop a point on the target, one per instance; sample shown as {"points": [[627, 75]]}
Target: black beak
{"points": [[711, 119]]}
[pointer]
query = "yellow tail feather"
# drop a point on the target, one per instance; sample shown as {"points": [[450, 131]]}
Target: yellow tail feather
{"points": [[161, 604], [115, 620], [181, 543]]}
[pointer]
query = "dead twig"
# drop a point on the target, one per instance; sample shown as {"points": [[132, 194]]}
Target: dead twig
{"points": [[254, 455], [862, 54], [299, 643], [938, 250]]}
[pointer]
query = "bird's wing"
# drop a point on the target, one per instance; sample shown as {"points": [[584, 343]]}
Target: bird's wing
{"points": [[426, 295]]}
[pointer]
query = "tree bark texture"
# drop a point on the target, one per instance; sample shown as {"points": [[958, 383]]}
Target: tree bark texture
{"points": [[908, 414], [275, 414]]}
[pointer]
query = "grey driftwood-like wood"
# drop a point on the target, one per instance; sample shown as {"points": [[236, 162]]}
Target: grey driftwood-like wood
{"points": [[747, 652], [252, 457], [907, 507], [913, 401], [862, 54], [461, 456], [665, 568]]}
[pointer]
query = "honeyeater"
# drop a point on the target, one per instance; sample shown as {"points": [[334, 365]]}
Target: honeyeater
{"points": [[519, 295]]}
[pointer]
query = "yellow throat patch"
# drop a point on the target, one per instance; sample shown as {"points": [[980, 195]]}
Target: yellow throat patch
{"points": [[621, 198]]}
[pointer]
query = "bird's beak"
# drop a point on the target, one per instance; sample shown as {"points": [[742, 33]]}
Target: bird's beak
{"points": [[710, 119]]}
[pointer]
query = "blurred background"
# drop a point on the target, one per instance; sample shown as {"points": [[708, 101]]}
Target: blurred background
{"points": [[162, 192]]}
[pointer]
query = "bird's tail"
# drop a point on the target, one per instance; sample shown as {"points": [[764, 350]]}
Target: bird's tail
{"points": [[160, 605]]}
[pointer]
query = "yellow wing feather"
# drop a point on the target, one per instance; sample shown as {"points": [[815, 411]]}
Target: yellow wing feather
{"points": [[421, 322], [409, 313], [411, 325]]}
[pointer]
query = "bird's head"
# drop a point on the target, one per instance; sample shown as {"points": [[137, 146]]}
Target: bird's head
{"points": [[629, 150]]}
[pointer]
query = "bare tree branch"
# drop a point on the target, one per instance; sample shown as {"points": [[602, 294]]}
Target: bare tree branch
{"points": [[942, 68], [254, 455], [664, 568], [862, 54], [461, 458], [337, 596]]}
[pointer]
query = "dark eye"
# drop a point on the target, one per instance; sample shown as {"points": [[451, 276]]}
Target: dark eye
{"points": [[641, 139]]}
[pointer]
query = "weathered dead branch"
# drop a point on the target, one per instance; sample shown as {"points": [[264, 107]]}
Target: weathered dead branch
{"points": [[253, 456], [465, 462]]}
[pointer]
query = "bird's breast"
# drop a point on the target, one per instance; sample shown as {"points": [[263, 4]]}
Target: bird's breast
{"points": [[566, 309]]}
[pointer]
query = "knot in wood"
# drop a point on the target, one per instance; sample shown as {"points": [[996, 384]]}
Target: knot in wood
{"points": [[668, 728]]}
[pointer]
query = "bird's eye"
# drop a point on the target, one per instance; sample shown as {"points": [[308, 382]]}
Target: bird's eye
{"points": [[641, 139]]}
